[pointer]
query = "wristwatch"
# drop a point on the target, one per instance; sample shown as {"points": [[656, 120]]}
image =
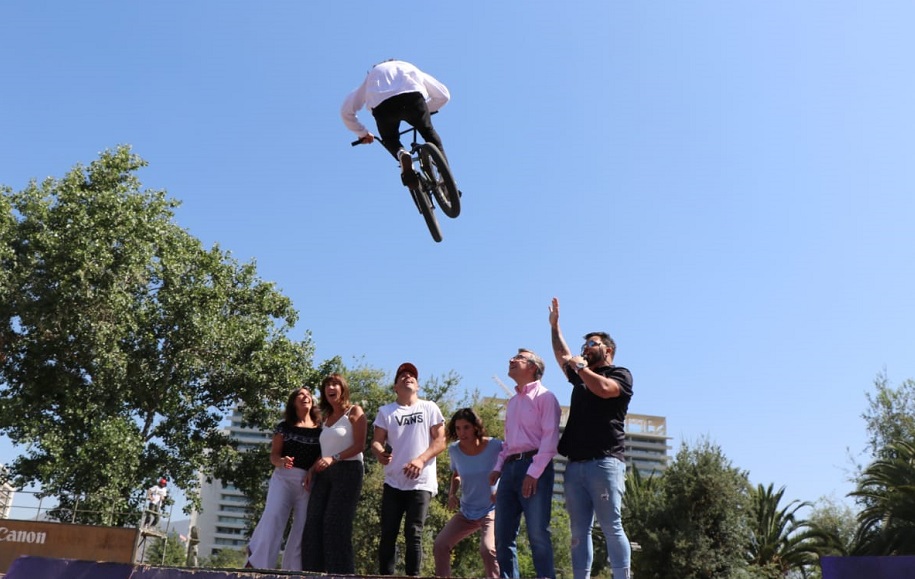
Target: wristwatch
{"points": [[579, 366], [336, 457]]}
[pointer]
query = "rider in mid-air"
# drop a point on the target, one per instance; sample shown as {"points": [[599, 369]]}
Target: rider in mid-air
{"points": [[396, 91]]}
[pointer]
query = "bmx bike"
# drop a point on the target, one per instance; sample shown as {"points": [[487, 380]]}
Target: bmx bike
{"points": [[434, 183]]}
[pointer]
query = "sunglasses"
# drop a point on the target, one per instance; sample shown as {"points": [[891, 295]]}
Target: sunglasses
{"points": [[590, 344]]}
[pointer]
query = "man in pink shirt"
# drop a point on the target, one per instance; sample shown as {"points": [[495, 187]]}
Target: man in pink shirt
{"points": [[524, 469]]}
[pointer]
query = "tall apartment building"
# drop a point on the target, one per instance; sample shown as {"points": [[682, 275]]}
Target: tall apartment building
{"points": [[646, 447], [221, 524]]}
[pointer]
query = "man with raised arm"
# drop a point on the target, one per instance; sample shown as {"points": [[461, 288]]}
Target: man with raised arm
{"points": [[593, 441], [414, 431], [524, 468]]}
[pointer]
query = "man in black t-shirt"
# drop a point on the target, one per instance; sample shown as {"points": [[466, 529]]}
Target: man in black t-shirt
{"points": [[593, 441]]}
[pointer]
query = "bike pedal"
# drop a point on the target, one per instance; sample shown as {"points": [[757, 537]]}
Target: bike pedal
{"points": [[409, 179]]}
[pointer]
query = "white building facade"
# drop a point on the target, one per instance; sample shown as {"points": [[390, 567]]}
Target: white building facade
{"points": [[222, 522]]}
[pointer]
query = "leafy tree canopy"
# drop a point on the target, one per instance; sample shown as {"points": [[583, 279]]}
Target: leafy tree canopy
{"points": [[696, 522], [169, 551], [887, 491], [124, 341], [890, 415]]}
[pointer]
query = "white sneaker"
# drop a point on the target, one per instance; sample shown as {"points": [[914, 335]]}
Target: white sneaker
{"points": [[406, 161], [407, 174]]}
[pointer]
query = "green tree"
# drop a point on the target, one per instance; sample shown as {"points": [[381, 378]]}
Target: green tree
{"points": [[778, 540], [641, 498], [225, 559], [831, 529], [836, 520], [696, 526], [169, 551], [128, 336], [890, 415], [887, 489], [884, 491]]}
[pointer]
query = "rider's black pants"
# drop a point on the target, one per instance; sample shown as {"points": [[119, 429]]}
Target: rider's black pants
{"points": [[410, 107]]}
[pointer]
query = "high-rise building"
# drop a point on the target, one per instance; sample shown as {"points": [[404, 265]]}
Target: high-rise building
{"points": [[646, 447], [222, 523]]}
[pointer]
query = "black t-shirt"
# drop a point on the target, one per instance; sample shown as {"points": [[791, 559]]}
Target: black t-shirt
{"points": [[596, 426], [303, 444]]}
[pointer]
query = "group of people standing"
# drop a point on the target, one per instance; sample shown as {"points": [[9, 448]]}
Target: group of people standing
{"points": [[318, 470]]}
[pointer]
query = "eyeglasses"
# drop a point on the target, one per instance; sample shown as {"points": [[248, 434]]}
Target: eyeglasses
{"points": [[521, 358], [590, 344]]}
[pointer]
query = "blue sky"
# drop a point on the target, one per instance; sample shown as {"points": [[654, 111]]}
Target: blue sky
{"points": [[727, 188]]}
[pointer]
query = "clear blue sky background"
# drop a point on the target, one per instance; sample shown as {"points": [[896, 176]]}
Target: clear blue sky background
{"points": [[727, 188]]}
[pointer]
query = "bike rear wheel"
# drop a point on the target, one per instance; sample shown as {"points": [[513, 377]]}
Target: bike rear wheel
{"points": [[424, 202], [436, 170]]}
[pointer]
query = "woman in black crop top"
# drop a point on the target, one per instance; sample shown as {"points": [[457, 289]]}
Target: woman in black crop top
{"points": [[296, 446]]}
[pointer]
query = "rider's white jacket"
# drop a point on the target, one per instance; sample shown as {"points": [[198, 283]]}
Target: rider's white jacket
{"points": [[388, 79]]}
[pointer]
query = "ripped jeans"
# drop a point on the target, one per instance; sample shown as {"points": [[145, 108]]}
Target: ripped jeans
{"points": [[594, 489]]}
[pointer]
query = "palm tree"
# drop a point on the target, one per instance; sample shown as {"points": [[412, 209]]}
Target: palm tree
{"points": [[779, 541], [639, 501], [886, 489]]}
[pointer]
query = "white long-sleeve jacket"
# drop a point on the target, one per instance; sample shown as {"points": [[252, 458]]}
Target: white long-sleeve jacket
{"points": [[388, 79]]}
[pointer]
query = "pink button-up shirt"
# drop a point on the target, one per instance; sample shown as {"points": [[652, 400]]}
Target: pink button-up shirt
{"points": [[531, 423]]}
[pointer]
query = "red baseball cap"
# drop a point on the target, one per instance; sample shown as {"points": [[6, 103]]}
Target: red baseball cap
{"points": [[406, 367]]}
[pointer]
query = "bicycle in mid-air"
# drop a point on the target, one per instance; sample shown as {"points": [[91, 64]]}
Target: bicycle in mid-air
{"points": [[434, 182]]}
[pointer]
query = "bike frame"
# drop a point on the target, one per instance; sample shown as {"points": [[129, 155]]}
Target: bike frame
{"points": [[424, 190]]}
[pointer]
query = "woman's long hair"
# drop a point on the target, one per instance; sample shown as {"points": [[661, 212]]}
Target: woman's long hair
{"points": [[326, 407]]}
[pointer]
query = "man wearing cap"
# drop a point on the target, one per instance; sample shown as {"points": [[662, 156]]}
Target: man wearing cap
{"points": [[414, 432], [594, 441], [524, 469], [155, 495]]}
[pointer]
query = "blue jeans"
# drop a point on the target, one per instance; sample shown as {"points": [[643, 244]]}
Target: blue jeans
{"points": [[510, 505], [594, 488]]}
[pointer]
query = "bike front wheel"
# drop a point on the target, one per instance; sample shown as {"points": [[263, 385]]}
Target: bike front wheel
{"points": [[424, 202], [438, 173]]}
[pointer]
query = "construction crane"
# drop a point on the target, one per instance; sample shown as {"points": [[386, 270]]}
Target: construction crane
{"points": [[502, 385]]}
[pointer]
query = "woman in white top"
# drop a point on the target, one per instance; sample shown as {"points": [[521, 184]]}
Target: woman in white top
{"points": [[336, 482]]}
